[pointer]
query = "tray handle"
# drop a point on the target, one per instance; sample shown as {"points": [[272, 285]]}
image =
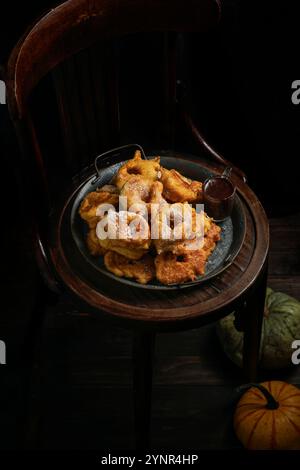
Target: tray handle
{"points": [[114, 156]]}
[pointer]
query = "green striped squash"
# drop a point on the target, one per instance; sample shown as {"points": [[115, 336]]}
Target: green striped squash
{"points": [[281, 326]]}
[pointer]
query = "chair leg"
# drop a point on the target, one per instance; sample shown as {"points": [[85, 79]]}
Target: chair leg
{"points": [[143, 347], [31, 350], [253, 317]]}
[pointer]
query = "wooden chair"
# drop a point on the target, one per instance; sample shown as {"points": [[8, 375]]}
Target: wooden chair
{"points": [[72, 47]]}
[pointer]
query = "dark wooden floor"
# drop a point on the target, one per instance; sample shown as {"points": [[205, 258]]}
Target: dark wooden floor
{"points": [[86, 383]]}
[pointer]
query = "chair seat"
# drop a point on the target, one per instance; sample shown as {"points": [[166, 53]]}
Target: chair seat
{"points": [[177, 309]]}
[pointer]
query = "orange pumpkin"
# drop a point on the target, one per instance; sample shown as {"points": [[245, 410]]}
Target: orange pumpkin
{"points": [[268, 417]]}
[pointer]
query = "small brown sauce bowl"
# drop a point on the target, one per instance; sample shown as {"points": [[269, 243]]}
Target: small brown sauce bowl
{"points": [[218, 197]]}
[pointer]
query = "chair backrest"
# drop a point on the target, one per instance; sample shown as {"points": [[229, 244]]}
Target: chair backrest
{"points": [[67, 40], [77, 24]]}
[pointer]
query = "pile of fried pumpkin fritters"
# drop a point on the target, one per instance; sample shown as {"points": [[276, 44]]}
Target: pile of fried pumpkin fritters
{"points": [[137, 255]]}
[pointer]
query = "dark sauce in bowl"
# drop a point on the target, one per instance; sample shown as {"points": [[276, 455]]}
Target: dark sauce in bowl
{"points": [[219, 188], [218, 194]]}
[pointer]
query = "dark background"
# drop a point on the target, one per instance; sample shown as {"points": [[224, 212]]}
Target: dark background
{"points": [[240, 79]]}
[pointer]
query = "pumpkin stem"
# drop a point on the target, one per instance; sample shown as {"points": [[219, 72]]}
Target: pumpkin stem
{"points": [[271, 404]]}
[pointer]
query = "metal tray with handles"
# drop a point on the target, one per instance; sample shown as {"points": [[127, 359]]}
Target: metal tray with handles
{"points": [[232, 233]]}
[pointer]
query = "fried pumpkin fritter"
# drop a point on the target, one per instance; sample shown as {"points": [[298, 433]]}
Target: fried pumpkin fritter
{"points": [[148, 169], [177, 188], [93, 244], [92, 201], [212, 236], [142, 270], [137, 191], [190, 231], [176, 269], [129, 234], [185, 265]]}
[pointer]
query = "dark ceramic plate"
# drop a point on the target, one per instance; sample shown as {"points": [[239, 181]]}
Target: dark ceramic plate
{"points": [[232, 234]]}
